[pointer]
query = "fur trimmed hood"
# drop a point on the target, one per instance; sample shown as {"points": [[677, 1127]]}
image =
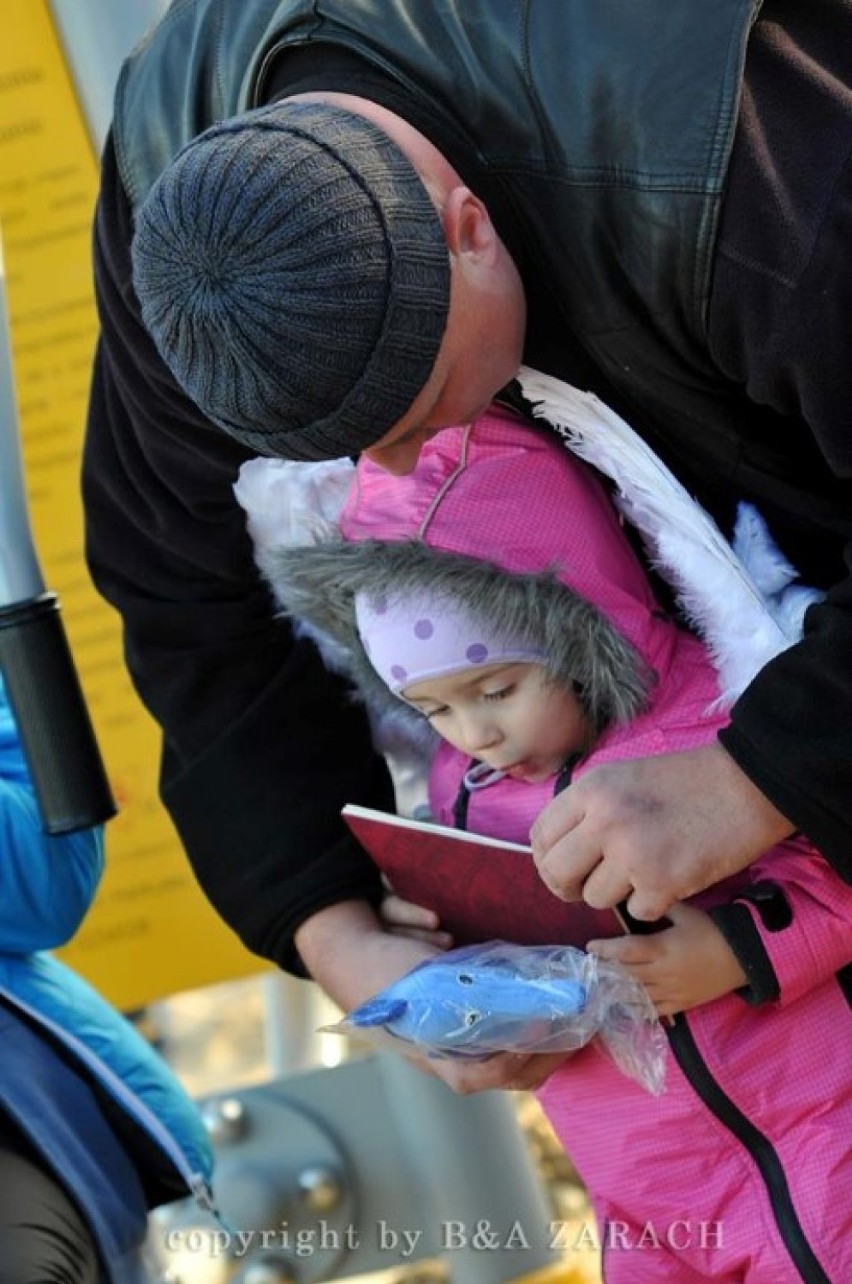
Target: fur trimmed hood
{"points": [[502, 516], [317, 586]]}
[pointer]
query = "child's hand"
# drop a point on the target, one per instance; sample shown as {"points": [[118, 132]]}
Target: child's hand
{"points": [[681, 967], [404, 918]]}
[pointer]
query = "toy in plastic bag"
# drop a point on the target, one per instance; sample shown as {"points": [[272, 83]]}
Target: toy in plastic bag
{"points": [[498, 997]]}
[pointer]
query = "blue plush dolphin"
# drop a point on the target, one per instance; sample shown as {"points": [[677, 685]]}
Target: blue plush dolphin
{"points": [[484, 999]]}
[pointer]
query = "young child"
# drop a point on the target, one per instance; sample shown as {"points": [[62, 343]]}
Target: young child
{"points": [[494, 591], [94, 1128]]}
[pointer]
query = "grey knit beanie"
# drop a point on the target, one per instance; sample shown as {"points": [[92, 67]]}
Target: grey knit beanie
{"points": [[293, 273]]}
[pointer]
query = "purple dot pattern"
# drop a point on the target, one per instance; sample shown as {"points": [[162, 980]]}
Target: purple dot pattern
{"points": [[411, 640]]}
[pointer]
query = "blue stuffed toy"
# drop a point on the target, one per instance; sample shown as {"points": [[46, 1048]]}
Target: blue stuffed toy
{"points": [[484, 999], [497, 997]]}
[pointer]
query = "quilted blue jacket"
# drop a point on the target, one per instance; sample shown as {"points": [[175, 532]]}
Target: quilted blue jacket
{"points": [[102, 1108]]}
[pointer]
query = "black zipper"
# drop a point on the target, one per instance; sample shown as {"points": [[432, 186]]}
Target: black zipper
{"points": [[689, 1058], [462, 801], [686, 1052]]}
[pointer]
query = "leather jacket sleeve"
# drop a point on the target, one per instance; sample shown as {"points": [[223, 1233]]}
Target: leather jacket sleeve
{"points": [[261, 745], [778, 326]]}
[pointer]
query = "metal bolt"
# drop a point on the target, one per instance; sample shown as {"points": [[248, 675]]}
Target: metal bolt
{"points": [[320, 1188], [226, 1121]]}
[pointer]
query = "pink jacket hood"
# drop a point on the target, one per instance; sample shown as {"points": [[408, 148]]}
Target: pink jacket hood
{"points": [[501, 490], [515, 495]]}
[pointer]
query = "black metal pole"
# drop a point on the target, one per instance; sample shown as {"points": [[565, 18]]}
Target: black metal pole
{"points": [[35, 660]]}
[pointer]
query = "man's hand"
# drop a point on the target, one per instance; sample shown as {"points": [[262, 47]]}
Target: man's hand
{"points": [[653, 830], [682, 966], [513, 1071]]}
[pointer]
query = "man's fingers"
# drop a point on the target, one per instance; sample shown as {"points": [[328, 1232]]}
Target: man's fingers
{"points": [[509, 1071], [648, 904], [563, 888], [577, 868], [606, 886], [559, 817], [499, 1071], [653, 830], [531, 1071], [438, 940], [565, 868], [397, 912]]}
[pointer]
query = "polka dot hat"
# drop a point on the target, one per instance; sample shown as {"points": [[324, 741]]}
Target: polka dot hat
{"points": [[410, 639]]}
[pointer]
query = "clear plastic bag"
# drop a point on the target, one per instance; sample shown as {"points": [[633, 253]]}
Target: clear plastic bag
{"points": [[498, 997]]}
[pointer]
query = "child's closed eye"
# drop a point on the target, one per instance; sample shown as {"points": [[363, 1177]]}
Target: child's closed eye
{"points": [[435, 713], [502, 694]]}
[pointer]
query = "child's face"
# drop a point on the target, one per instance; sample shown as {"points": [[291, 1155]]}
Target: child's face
{"points": [[508, 715]]}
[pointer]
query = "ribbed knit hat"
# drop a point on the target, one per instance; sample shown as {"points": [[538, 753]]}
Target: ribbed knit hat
{"points": [[293, 273]]}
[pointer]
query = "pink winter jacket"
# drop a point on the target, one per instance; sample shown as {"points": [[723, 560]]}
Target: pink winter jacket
{"points": [[741, 1169]]}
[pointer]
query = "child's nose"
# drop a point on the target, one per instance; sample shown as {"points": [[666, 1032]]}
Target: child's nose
{"points": [[479, 735]]}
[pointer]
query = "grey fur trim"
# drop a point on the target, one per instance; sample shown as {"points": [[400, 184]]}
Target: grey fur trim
{"points": [[316, 585]]}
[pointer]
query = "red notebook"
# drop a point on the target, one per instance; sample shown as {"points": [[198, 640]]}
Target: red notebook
{"points": [[481, 888]]}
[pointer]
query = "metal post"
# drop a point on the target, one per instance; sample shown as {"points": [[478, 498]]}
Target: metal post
{"points": [[370, 1166]]}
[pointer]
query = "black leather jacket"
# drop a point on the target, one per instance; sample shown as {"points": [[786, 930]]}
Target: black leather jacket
{"points": [[601, 138]]}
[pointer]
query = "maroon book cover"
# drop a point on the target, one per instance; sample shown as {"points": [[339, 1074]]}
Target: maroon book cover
{"points": [[481, 888]]}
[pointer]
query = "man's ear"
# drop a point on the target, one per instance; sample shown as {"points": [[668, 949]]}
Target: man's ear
{"points": [[468, 228]]}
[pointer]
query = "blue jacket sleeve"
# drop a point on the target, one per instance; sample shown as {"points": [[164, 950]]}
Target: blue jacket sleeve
{"points": [[46, 883]]}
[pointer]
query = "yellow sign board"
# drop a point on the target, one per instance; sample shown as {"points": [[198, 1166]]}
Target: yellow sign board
{"points": [[151, 932]]}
